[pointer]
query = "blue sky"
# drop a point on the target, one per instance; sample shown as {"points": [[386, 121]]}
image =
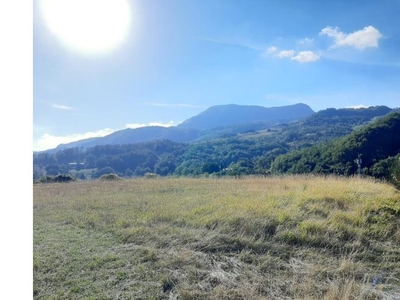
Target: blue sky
{"points": [[180, 57]]}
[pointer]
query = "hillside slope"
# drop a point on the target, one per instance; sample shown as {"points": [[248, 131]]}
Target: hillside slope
{"points": [[372, 143]]}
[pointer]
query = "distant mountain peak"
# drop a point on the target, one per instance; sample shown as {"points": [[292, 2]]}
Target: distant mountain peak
{"points": [[235, 114]]}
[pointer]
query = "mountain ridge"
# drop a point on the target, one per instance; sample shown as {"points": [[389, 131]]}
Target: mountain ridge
{"points": [[234, 114], [218, 116]]}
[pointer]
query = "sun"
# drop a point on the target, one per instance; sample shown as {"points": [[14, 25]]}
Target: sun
{"points": [[88, 26]]}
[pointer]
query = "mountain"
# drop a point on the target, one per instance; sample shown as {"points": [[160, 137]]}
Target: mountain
{"points": [[313, 144], [215, 119], [232, 114]]}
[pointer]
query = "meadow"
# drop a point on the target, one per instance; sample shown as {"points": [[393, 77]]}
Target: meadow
{"points": [[298, 237]]}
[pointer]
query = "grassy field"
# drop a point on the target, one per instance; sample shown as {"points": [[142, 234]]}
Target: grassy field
{"points": [[248, 238]]}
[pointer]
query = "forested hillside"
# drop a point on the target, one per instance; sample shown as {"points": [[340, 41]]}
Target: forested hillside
{"points": [[377, 145], [326, 142], [127, 160], [254, 152]]}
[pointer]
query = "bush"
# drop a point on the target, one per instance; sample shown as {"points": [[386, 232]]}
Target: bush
{"points": [[64, 178], [44, 179], [150, 175], [395, 171], [103, 171], [110, 177], [388, 169], [58, 178]]}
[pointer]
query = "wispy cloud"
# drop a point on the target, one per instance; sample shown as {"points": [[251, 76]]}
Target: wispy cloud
{"points": [[358, 106], [305, 41], [49, 141], [234, 42], [285, 54], [365, 38], [63, 107], [306, 57], [174, 105], [139, 125], [271, 50]]}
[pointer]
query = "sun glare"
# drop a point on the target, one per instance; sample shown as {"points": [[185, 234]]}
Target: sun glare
{"points": [[88, 26]]}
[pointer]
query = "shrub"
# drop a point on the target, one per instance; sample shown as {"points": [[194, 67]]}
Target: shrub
{"points": [[395, 171], [45, 178], [110, 177], [103, 171], [150, 175], [64, 178], [58, 178]]}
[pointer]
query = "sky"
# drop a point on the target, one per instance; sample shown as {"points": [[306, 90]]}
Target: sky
{"points": [[101, 67]]}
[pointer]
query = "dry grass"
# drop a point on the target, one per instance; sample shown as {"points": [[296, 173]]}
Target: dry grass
{"points": [[252, 238]]}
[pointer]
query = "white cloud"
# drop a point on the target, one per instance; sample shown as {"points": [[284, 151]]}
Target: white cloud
{"points": [[358, 106], [139, 125], [271, 50], [174, 105], [367, 37], [306, 56], [285, 54], [305, 41], [48, 141], [233, 42], [64, 107]]}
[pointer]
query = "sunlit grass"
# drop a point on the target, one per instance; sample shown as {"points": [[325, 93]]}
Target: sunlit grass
{"points": [[300, 237]]}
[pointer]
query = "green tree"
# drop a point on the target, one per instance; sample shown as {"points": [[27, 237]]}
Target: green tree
{"points": [[210, 167], [165, 165]]}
